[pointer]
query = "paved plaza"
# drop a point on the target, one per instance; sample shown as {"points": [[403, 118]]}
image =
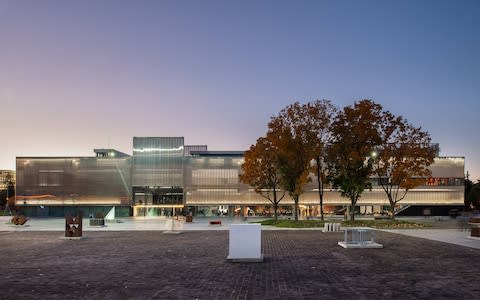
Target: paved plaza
{"points": [[442, 229], [299, 264]]}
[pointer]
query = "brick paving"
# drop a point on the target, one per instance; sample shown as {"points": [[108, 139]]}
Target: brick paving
{"points": [[192, 265]]}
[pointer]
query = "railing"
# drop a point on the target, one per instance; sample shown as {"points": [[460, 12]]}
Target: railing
{"points": [[402, 209]]}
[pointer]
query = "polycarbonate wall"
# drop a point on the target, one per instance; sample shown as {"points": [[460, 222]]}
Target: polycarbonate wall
{"points": [[448, 189], [215, 180], [448, 167], [158, 161], [73, 181], [206, 180]]}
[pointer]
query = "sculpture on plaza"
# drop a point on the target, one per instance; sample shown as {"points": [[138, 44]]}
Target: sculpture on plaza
{"points": [[73, 225], [19, 220]]}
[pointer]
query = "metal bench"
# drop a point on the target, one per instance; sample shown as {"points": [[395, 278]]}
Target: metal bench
{"points": [[359, 237]]}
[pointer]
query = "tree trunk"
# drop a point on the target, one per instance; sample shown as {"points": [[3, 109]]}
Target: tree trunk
{"points": [[275, 203], [295, 198], [392, 210], [321, 206], [352, 207], [320, 188], [392, 206]]}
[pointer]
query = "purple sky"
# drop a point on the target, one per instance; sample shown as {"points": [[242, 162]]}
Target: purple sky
{"points": [[78, 75]]}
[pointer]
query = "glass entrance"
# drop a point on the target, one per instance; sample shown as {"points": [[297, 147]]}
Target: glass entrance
{"points": [[157, 201], [158, 195]]}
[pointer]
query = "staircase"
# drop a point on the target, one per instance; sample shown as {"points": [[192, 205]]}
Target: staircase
{"points": [[402, 209]]}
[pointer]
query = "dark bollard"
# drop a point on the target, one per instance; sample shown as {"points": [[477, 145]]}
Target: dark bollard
{"points": [[73, 225], [474, 223]]}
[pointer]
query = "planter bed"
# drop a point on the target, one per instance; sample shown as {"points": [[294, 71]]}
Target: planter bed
{"points": [[97, 222]]}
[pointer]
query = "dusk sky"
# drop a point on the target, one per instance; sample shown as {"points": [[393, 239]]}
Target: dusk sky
{"points": [[78, 75]]}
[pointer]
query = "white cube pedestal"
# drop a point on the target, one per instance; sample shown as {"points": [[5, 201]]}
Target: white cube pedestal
{"points": [[173, 227], [245, 243]]}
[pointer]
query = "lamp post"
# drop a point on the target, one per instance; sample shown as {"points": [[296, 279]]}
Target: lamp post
{"points": [[8, 183], [6, 204], [373, 156], [6, 186]]}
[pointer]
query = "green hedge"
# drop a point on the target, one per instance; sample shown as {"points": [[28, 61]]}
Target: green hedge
{"points": [[360, 223]]}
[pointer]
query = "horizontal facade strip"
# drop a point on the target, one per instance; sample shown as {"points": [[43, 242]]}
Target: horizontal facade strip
{"points": [[48, 202], [330, 198], [159, 205]]}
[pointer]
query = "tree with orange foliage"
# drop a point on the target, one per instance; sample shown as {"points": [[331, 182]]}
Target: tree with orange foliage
{"points": [[319, 117], [259, 171], [291, 135], [401, 161], [355, 134]]}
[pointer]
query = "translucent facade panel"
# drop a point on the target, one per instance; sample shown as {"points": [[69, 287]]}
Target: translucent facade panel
{"points": [[71, 181], [198, 162], [158, 161], [215, 180], [214, 176], [216, 162], [237, 161], [449, 193], [420, 196], [448, 167]]}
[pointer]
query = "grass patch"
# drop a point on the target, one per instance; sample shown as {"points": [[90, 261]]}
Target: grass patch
{"points": [[392, 224], [285, 223], [384, 224]]}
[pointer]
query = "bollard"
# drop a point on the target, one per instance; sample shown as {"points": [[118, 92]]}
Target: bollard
{"points": [[331, 227]]}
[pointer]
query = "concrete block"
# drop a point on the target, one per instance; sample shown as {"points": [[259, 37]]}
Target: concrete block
{"points": [[245, 243]]}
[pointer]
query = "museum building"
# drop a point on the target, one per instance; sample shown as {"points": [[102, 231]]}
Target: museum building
{"points": [[165, 176]]}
